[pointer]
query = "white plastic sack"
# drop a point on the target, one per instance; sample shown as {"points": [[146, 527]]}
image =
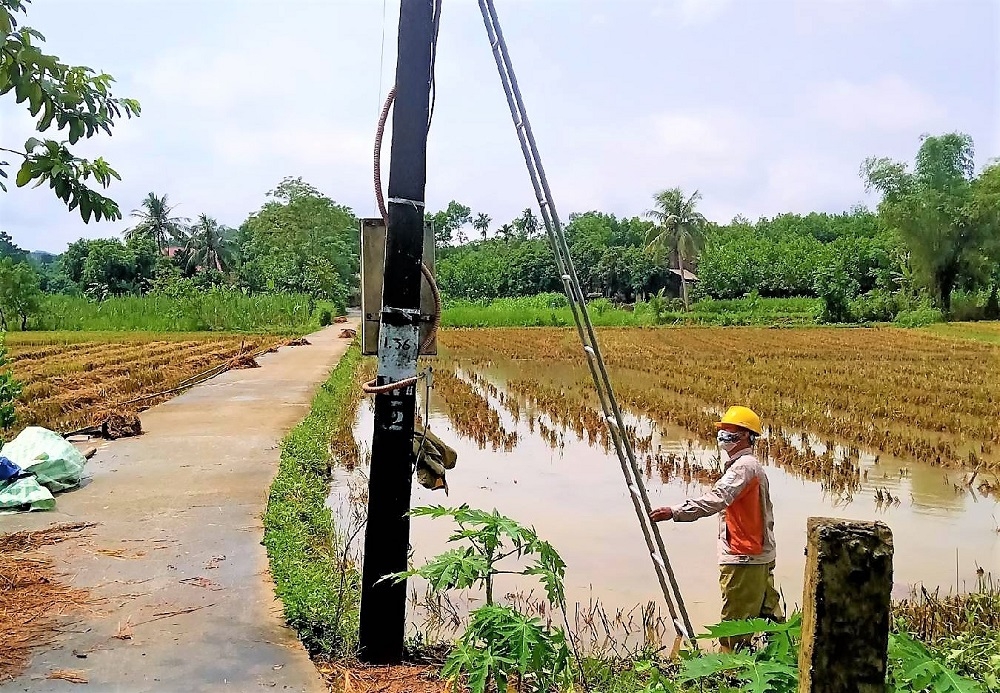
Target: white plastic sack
{"points": [[53, 460]]}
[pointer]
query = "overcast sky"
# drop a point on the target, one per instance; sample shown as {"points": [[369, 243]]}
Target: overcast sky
{"points": [[766, 106]]}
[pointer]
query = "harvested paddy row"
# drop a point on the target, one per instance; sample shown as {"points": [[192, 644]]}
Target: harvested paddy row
{"points": [[556, 410], [908, 394], [72, 384]]}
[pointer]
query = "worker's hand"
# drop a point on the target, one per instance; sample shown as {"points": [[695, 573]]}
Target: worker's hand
{"points": [[661, 514]]}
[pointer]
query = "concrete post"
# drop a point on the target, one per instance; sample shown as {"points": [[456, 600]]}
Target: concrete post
{"points": [[845, 618]]}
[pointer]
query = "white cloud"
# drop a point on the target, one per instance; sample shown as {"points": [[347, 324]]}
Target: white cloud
{"points": [[888, 104], [690, 12], [308, 142], [700, 11], [619, 167], [716, 142], [807, 181]]}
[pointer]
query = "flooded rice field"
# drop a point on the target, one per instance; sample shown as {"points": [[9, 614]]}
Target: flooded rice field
{"points": [[532, 445]]}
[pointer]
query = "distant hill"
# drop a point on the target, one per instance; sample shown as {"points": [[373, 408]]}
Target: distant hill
{"points": [[42, 257]]}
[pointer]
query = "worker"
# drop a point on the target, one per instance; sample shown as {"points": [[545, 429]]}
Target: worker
{"points": [[746, 545]]}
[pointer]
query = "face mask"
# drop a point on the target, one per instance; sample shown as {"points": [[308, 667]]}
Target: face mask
{"points": [[728, 440]]}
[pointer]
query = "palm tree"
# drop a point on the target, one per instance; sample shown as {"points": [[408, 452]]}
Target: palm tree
{"points": [[679, 230], [156, 222], [526, 225], [207, 246], [482, 223], [506, 231]]}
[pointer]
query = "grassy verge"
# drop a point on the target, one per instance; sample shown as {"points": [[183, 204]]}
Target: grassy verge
{"points": [[320, 591], [217, 310], [976, 331], [551, 310]]}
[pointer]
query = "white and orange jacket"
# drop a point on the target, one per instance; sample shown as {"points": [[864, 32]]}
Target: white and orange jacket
{"points": [[742, 500]]}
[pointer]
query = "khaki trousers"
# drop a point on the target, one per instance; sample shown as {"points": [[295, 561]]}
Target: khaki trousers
{"points": [[748, 592]]}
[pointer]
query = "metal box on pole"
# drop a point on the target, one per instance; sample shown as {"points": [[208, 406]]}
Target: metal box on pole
{"points": [[372, 275]]}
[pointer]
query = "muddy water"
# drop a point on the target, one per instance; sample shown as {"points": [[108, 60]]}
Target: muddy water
{"points": [[574, 495]]}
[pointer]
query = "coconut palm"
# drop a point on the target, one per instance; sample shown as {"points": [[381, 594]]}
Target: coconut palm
{"points": [[155, 221], [679, 230], [482, 223], [207, 245]]}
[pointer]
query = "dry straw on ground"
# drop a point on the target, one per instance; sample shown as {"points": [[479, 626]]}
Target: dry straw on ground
{"points": [[346, 678], [74, 382], [32, 599], [71, 675]]}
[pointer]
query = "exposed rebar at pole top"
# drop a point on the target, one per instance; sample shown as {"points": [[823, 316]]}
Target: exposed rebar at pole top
{"points": [[585, 328]]}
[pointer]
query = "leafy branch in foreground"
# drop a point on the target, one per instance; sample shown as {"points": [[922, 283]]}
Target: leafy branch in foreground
{"points": [[76, 99]]}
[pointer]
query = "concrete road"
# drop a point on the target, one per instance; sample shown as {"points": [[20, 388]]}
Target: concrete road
{"points": [[179, 528]]}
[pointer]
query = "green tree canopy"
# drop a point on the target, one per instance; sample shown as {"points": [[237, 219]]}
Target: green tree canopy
{"points": [[449, 221], [937, 207], [208, 246], [20, 294], [107, 267], [10, 249], [76, 99], [300, 241], [482, 223]]}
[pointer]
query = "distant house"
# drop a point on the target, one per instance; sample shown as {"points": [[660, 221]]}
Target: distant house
{"points": [[674, 281], [688, 275], [172, 251]]}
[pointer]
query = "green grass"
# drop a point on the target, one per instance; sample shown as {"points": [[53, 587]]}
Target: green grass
{"points": [[219, 310], [978, 331], [552, 310], [320, 593]]}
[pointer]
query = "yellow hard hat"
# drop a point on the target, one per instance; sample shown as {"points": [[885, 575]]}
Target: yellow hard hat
{"points": [[743, 417]]}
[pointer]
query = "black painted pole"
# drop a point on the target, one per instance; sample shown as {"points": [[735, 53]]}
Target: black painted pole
{"points": [[387, 536]]}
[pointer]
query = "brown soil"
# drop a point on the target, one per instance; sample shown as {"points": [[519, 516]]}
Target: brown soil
{"points": [[396, 679], [32, 599]]}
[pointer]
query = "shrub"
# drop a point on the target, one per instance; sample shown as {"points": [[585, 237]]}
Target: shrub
{"points": [[325, 318], [992, 311], [10, 390], [501, 645], [967, 306], [836, 287], [877, 306], [919, 317]]}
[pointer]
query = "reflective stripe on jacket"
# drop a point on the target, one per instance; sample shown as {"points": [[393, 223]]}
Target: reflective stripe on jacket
{"points": [[742, 500]]}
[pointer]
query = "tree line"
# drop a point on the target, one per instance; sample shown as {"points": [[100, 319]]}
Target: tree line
{"points": [[934, 238], [300, 241]]}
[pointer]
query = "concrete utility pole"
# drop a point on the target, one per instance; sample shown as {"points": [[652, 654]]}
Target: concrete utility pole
{"points": [[845, 616], [383, 604]]}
